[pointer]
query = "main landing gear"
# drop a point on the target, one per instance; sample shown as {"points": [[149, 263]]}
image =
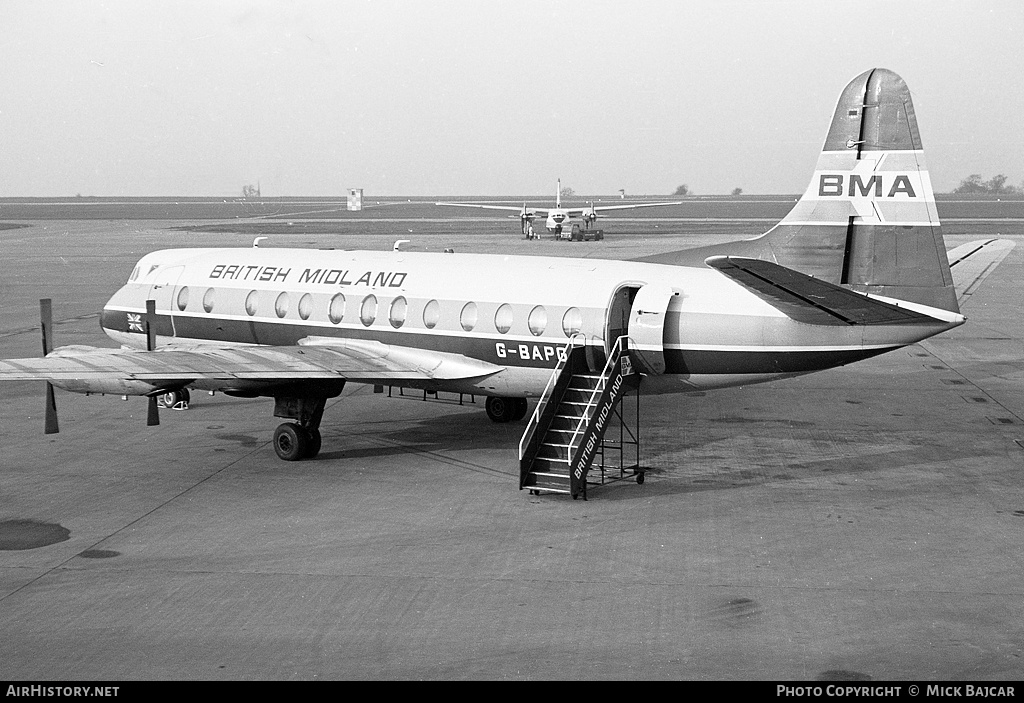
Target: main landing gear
{"points": [[505, 409], [292, 441], [301, 439]]}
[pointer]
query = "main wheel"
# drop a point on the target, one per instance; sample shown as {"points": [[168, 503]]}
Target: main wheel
{"points": [[500, 409], [314, 444], [291, 442]]}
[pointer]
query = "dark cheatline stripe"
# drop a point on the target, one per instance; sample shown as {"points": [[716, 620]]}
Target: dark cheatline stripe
{"points": [[678, 361], [543, 352]]}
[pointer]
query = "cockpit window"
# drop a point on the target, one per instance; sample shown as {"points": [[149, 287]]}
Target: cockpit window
{"points": [[135, 275]]}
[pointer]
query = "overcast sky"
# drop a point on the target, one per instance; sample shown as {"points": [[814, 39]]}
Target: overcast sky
{"points": [[474, 97]]}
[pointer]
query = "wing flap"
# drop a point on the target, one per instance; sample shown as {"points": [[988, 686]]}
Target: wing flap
{"points": [[812, 300], [971, 263], [314, 358]]}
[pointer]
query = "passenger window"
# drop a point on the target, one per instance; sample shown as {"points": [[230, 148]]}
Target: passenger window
{"points": [[503, 318], [468, 317], [336, 310], [398, 310], [305, 306], [252, 303], [281, 305], [538, 321], [431, 314], [368, 310], [572, 321], [183, 298], [208, 300]]}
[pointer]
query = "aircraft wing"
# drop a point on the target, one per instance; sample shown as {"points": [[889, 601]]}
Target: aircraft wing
{"points": [[971, 263], [811, 300], [506, 208], [312, 358], [602, 208]]}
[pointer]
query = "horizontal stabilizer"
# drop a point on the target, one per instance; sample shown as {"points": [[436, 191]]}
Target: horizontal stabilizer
{"points": [[971, 263], [812, 300]]}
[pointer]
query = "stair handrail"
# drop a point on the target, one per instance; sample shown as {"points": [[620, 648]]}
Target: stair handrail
{"points": [[531, 426], [599, 387]]}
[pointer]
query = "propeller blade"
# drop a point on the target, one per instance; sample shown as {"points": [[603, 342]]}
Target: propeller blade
{"points": [[46, 325], [153, 414], [51, 411], [150, 325]]}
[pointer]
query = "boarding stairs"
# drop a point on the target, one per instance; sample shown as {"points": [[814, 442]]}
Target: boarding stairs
{"points": [[568, 433]]}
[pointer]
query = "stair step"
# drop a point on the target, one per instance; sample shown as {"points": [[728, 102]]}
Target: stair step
{"points": [[546, 489], [575, 390], [557, 438], [545, 464], [546, 479], [555, 452]]}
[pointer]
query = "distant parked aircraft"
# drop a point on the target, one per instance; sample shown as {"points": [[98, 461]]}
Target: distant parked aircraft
{"points": [[558, 217]]}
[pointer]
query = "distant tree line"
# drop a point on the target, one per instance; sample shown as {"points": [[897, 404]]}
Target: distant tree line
{"points": [[685, 190], [996, 185]]}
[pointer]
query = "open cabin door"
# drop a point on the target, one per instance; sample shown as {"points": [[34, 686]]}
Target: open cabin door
{"points": [[647, 327]]}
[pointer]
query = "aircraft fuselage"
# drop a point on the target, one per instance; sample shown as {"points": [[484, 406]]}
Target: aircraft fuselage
{"points": [[691, 327]]}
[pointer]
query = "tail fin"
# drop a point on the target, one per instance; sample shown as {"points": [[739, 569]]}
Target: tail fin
{"points": [[868, 217], [558, 193]]}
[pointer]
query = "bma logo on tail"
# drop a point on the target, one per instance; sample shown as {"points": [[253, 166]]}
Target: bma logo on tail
{"points": [[836, 184]]}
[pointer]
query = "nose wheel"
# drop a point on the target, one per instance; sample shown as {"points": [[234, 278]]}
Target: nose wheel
{"points": [[174, 400]]}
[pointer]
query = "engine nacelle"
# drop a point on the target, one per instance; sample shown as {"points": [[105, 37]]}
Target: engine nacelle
{"points": [[107, 386]]}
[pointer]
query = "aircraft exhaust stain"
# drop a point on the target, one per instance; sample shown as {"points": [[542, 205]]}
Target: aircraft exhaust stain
{"points": [[244, 440], [16, 535], [99, 554], [736, 612]]}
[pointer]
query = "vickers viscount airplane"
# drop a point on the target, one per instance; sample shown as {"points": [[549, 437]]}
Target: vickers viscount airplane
{"points": [[558, 218], [856, 269]]}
